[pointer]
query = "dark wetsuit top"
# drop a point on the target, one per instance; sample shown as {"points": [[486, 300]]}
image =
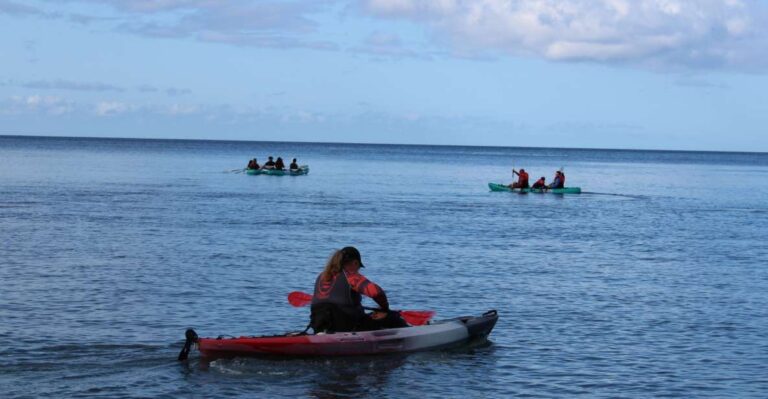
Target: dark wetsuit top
{"points": [[345, 291], [294, 166]]}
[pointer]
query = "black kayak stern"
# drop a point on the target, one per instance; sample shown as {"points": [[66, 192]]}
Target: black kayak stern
{"points": [[481, 326], [192, 338]]}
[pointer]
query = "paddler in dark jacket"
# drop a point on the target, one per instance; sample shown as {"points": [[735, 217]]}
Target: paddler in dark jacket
{"points": [[279, 164], [294, 165], [522, 179], [253, 164], [337, 300], [270, 164]]}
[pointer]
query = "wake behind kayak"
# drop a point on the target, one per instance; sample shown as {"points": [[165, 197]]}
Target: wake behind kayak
{"points": [[437, 335]]}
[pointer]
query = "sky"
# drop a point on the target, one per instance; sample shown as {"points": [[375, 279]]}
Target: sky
{"points": [[634, 74]]}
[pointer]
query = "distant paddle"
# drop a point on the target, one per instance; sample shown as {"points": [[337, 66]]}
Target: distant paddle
{"points": [[412, 317]]}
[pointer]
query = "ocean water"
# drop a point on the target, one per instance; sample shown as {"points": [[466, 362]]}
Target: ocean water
{"points": [[651, 283]]}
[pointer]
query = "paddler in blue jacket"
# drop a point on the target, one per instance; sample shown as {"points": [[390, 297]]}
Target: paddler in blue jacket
{"points": [[337, 300]]}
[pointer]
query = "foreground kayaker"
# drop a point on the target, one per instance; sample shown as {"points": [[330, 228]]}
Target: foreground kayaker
{"points": [[253, 164], [522, 179], [294, 165], [337, 300]]}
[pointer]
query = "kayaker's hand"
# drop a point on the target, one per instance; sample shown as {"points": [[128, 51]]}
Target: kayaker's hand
{"points": [[378, 315]]}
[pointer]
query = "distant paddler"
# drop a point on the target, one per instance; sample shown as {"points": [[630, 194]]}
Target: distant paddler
{"points": [[540, 184], [522, 179], [279, 164], [270, 164], [294, 165], [559, 180], [253, 164]]}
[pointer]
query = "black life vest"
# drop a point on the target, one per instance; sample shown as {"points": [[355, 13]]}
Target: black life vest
{"points": [[338, 292]]}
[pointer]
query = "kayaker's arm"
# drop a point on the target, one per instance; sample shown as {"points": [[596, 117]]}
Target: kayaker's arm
{"points": [[368, 288]]}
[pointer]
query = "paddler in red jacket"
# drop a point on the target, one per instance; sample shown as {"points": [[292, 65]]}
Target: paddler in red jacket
{"points": [[522, 179], [337, 300], [541, 183]]}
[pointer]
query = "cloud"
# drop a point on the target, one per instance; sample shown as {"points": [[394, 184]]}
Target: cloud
{"points": [[60, 84], [36, 104], [109, 108], [181, 109], [650, 33], [16, 9], [272, 24], [170, 91], [264, 40], [389, 45]]}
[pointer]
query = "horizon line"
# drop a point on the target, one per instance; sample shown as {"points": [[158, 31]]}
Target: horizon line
{"points": [[47, 136]]}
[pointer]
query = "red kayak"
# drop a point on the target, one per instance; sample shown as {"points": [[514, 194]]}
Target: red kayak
{"points": [[440, 334]]}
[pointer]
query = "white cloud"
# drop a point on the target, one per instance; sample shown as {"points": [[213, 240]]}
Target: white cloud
{"points": [[389, 45], [665, 33], [109, 108], [275, 24], [181, 109], [36, 104]]}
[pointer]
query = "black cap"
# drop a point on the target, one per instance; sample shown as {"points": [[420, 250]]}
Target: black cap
{"points": [[350, 253]]}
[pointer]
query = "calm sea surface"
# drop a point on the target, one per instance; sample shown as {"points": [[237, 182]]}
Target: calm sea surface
{"points": [[653, 282]]}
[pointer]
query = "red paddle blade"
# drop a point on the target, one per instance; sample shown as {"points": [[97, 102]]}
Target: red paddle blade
{"points": [[299, 299], [417, 317]]}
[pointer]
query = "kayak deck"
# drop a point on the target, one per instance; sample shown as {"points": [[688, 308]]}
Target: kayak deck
{"points": [[441, 334], [302, 170], [564, 190]]}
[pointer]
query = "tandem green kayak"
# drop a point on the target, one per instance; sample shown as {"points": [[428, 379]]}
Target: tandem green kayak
{"points": [[564, 190], [302, 170]]}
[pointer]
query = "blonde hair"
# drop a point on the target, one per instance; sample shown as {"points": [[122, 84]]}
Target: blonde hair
{"points": [[333, 266]]}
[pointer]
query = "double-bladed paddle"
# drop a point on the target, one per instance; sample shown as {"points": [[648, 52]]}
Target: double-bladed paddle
{"points": [[412, 317]]}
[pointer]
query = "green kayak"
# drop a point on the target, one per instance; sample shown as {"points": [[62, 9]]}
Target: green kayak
{"points": [[564, 190], [302, 170]]}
